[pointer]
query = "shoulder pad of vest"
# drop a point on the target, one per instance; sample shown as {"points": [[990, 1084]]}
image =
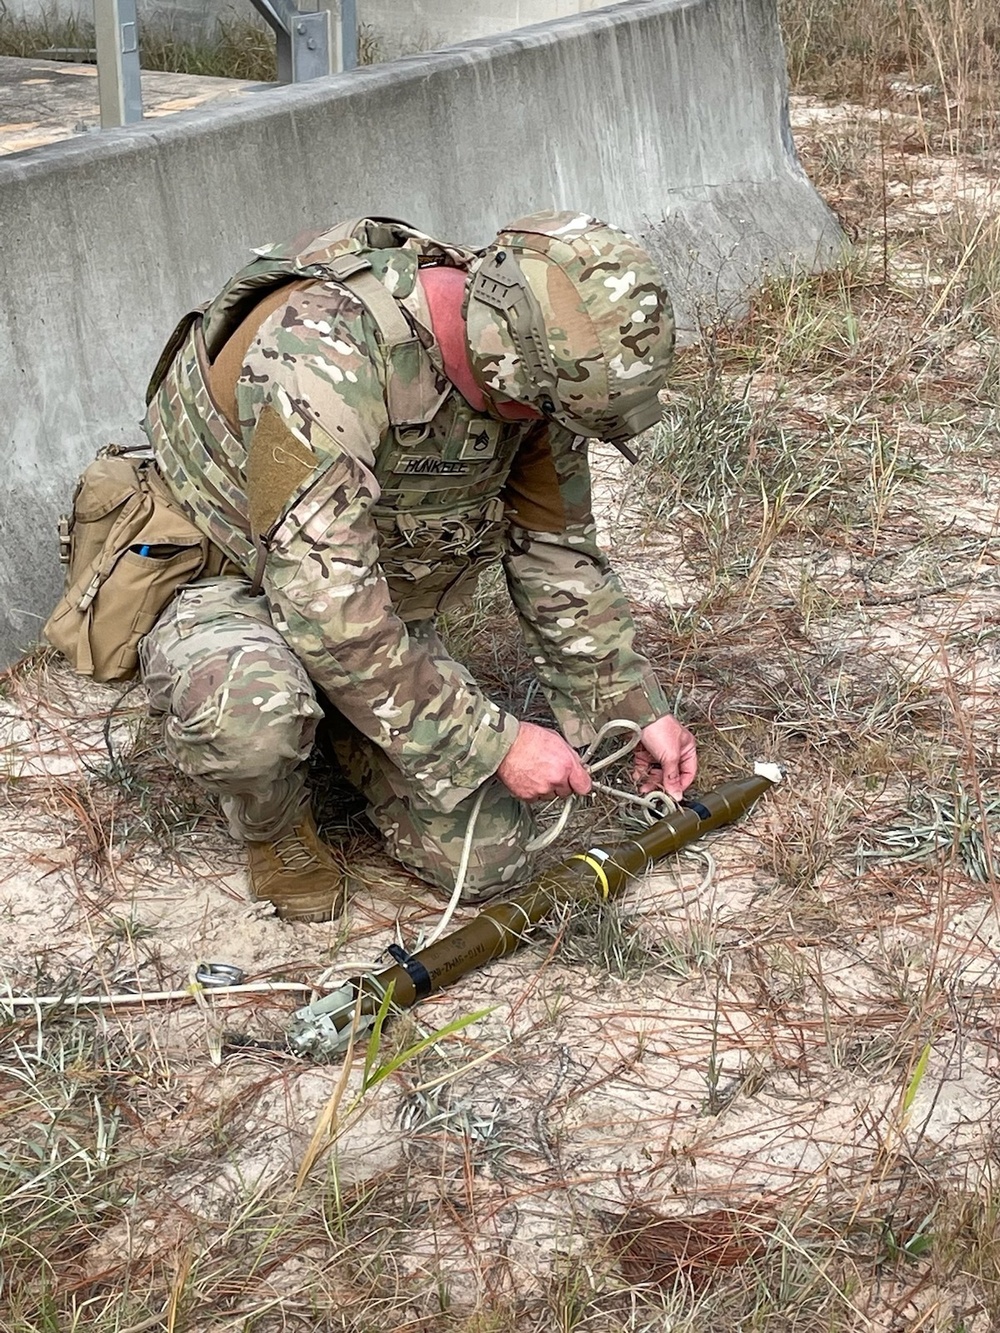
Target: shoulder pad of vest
{"points": [[318, 246], [314, 254]]}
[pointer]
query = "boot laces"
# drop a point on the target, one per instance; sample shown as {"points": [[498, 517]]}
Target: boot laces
{"points": [[294, 854]]}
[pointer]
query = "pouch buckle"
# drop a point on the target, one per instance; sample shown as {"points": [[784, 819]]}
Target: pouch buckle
{"points": [[93, 588], [410, 435]]}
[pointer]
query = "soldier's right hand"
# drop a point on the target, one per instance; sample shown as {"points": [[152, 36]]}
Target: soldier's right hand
{"points": [[541, 765]]}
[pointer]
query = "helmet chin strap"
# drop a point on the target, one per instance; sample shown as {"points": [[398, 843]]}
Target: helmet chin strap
{"points": [[625, 451], [641, 417]]}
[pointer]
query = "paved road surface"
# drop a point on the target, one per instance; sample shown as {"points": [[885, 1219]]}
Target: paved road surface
{"points": [[42, 101]]}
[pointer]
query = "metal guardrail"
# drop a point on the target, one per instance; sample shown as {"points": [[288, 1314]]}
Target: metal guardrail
{"points": [[116, 33], [305, 48], [305, 40]]}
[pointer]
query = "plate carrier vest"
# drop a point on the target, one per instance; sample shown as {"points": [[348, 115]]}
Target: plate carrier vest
{"points": [[441, 465]]}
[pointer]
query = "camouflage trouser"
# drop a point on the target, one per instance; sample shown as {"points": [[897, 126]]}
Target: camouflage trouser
{"points": [[240, 716]]}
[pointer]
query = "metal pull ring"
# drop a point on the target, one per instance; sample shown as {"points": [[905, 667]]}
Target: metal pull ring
{"points": [[219, 974]]}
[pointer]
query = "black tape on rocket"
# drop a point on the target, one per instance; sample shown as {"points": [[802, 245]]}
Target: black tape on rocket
{"points": [[413, 968], [702, 811]]}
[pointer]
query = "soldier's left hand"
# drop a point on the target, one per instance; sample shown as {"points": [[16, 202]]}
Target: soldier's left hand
{"points": [[666, 758]]}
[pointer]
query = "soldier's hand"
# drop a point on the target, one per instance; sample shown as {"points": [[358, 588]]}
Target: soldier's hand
{"points": [[666, 758], [541, 765]]}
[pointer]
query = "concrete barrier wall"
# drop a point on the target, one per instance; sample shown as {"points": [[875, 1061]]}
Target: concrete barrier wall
{"points": [[425, 24], [418, 25], [665, 116]]}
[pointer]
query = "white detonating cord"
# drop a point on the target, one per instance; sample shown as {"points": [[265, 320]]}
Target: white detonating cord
{"points": [[655, 805], [151, 996]]}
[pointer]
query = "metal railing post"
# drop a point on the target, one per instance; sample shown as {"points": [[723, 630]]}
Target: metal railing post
{"points": [[349, 34], [303, 40], [119, 88], [344, 20]]}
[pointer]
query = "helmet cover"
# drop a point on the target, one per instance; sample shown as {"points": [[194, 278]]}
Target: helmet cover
{"points": [[571, 316]]}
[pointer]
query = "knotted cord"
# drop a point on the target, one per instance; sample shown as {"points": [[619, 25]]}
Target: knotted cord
{"points": [[654, 806]]}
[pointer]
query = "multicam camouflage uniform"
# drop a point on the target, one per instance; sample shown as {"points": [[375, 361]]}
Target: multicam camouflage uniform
{"points": [[379, 495]]}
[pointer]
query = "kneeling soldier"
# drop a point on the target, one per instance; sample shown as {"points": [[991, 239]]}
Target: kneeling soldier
{"points": [[364, 420]]}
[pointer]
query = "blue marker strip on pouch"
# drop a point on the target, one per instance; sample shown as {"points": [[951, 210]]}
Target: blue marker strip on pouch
{"points": [[144, 550]]}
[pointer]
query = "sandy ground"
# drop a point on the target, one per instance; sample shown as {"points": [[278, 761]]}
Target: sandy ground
{"points": [[800, 1037]]}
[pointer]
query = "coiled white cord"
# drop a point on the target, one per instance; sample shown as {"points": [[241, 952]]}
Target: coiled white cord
{"points": [[655, 806]]}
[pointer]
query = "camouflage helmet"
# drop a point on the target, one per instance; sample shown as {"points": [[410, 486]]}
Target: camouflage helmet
{"points": [[570, 315]]}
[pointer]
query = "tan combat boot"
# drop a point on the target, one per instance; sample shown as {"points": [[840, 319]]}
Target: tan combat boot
{"points": [[296, 871]]}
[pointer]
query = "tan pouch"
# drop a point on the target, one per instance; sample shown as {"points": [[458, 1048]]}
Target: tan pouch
{"points": [[128, 549]]}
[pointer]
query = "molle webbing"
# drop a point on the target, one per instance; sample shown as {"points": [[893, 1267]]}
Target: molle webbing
{"points": [[187, 431]]}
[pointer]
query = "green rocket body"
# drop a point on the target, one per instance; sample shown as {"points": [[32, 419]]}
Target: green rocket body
{"points": [[322, 1029]]}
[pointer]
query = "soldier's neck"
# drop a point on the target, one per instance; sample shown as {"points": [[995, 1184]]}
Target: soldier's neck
{"points": [[444, 289]]}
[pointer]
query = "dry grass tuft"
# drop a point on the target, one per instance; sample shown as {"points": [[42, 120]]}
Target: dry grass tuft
{"points": [[694, 1247], [942, 53], [241, 48]]}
